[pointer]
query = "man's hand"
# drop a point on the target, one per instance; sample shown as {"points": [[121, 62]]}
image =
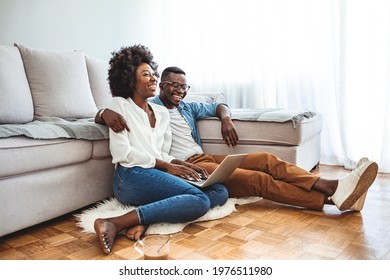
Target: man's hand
{"points": [[228, 129], [114, 121], [229, 133]]}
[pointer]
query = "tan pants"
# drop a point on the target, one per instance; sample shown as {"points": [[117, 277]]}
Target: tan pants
{"points": [[269, 177]]}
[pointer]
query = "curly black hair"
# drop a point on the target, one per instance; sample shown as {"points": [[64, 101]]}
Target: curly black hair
{"points": [[122, 67]]}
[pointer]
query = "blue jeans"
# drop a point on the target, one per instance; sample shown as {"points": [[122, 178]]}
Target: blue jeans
{"points": [[163, 197]]}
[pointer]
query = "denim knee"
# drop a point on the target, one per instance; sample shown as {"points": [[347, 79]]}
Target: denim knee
{"points": [[202, 204], [177, 209], [217, 194]]}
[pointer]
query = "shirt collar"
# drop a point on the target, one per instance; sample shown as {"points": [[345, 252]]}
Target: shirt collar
{"points": [[158, 101]]}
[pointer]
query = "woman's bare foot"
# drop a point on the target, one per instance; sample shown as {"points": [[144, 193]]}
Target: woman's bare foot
{"points": [[106, 232], [136, 232]]}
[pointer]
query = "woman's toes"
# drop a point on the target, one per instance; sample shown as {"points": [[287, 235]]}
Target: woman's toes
{"points": [[106, 233], [106, 242]]}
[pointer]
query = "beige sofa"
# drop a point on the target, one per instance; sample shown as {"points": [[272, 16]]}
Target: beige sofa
{"points": [[54, 159]]}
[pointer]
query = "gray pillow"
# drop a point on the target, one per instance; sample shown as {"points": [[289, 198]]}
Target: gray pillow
{"points": [[58, 82], [16, 105], [98, 73]]}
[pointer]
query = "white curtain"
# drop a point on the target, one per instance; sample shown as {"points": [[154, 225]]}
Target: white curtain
{"points": [[331, 56]]}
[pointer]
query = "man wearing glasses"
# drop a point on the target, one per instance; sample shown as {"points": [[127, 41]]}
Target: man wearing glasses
{"points": [[260, 174]]}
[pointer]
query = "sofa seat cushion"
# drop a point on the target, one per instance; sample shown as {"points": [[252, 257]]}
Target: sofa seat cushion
{"points": [[266, 131], [20, 155], [100, 149]]}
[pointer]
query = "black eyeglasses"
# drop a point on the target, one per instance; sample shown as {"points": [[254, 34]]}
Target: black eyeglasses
{"points": [[177, 85]]}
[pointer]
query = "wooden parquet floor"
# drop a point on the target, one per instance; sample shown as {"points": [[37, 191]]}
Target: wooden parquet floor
{"points": [[261, 230]]}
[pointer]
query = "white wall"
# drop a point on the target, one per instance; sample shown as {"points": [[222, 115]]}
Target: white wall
{"points": [[97, 27]]}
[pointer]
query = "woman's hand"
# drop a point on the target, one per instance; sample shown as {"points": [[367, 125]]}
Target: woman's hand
{"points": [[183, 169], [203, 174], [184, 172]]}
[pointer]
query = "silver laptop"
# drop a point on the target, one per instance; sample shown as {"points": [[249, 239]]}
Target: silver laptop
{"points": [[222, 172]]}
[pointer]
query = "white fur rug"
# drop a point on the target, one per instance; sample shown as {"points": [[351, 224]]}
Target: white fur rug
{"points": [[112, 207]]}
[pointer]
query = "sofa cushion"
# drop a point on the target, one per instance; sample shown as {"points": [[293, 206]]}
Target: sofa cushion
{"points": [[98, 74], [59, 83], [23, 155], [289, 133], [16, 104]]}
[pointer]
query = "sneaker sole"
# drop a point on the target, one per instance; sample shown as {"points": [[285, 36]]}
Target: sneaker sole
{"points": [[358, 206], [364, 183]]}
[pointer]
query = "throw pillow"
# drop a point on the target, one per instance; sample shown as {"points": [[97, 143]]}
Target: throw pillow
{"points": [[16, 105], [58, 82], [98, 74]]}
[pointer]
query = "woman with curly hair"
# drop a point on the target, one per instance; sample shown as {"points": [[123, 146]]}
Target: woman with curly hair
{"points": [[145, 174]]}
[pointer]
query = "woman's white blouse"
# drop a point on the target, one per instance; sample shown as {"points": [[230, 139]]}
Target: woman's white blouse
{"points": [[143, 144]]}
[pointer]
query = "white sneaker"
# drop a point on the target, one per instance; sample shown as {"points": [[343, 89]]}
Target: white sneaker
{"points": [[358, 206], [360, 162], [354, 185]]}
